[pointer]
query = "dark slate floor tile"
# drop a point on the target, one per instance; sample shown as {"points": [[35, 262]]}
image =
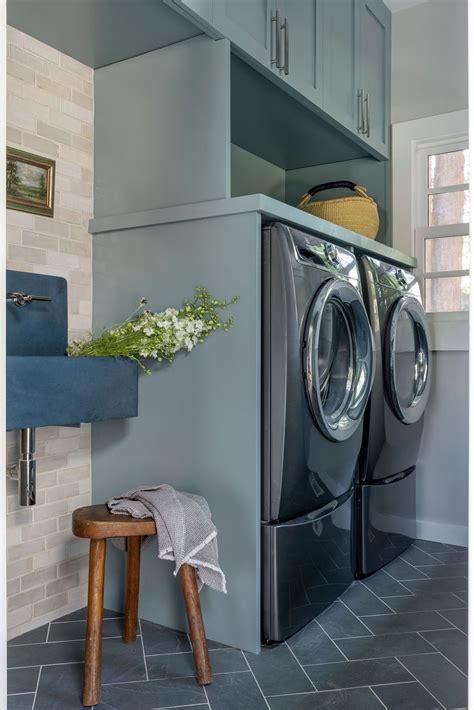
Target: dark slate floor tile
{"points": [[311, 645], [122, 662], [160, 639], [452, 643], [325, 593], [383, 585], [416, 557], [401, 570], [152, 695], [350, 674], [430, 546], [20, 702], [355, 699], [81, 615], [22, 680], [458, 617], [440, 677], [383, 646], [181, 665], [402, 623], [361, 600], [277, 671], [451, 557], [434, 586], [36, 636], [235, 691], [426, 602], [339, 622], [409, 696], [48, 653], [458, 569], [60, 687], [457, 548], [72, 630], [462, 596]]}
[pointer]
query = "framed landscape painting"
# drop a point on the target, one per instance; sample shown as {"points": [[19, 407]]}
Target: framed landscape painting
{"points": [[30, 182]]}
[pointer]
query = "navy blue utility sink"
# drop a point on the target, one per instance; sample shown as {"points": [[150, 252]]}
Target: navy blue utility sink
{"points": [[44, 386]]}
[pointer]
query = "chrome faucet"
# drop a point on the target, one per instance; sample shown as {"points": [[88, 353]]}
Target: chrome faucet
{"points": [[21, 299]]}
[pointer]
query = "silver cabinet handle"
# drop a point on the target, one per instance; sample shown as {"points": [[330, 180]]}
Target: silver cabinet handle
{"points": [[360, 119], [21, 299], [275, 60], [367, 113], [286, 29]]}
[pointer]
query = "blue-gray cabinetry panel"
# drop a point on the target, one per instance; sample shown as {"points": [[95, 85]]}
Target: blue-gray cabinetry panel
{"points": [[198, 426]]}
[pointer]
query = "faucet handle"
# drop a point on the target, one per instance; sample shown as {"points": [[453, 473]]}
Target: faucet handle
{"points": [[21, 299]]}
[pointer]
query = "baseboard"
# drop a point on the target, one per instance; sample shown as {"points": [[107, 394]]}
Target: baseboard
{"points": [[442, 532]]}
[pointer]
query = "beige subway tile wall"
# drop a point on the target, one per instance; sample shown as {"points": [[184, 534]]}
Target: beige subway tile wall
{"points": [[50, 112]]}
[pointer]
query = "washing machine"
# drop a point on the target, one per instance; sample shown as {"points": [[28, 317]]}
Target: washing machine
{"points": [[318, 363], [385, 492]]}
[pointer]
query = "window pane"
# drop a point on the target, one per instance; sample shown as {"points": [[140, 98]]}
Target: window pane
{"points": [[447, 254], [448, 168], [447, 294], [448, 208]]}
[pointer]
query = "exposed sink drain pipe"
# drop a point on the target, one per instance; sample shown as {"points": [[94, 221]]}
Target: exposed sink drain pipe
{"points": [[25, 473]]}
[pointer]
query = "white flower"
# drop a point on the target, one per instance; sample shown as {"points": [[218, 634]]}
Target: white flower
{"points": [[148, 331]]}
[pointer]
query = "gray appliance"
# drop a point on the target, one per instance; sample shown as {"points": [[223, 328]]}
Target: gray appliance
{"points": [[317, 375], [385, 494]]}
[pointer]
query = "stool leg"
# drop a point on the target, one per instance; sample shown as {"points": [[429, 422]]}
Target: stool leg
{"points": [[132, 592], [196, 625], [93, 654]]}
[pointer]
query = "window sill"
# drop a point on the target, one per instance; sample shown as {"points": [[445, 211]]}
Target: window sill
{"points": [[449, 331]]}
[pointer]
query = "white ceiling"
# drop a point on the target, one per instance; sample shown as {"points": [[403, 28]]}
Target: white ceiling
{"points": [[396, 5]]}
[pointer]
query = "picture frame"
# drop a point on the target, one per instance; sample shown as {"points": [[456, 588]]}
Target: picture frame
{"points": [[30, 182]]}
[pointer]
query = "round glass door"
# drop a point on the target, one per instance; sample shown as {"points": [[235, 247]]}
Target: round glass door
{"points": [[408, 359], [338, 359]]}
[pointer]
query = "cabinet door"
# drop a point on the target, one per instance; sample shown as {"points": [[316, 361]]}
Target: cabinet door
{"points": [[375, 70], [341, 47], [304, 44], [247, 24]]}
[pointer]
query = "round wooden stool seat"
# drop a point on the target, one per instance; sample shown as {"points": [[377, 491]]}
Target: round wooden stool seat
{"points": [[96, 522]]}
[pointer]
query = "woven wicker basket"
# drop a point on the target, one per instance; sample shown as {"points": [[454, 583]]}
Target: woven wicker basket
{"points": [[358, 213]]}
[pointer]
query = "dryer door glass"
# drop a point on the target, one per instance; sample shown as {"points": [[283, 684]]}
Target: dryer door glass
{"points": [[408, 359], [338, 359]]}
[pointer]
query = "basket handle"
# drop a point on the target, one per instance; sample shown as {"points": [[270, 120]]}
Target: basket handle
{"points": [[358, 189]]}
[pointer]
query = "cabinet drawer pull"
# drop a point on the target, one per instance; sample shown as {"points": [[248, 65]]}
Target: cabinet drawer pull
{"points": [[275, 44], [286, 29], [367, 113]]}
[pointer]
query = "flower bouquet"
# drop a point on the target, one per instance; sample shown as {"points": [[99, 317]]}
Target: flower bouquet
{"points": [[158, 336]]}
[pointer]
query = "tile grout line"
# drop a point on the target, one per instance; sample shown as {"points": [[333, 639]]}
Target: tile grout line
{"points": [[442, 654], [419, 681], [357, 617], [42, 643], [378, 598], [207, 697], [451, 622], [37, 686], [258, 684], [333, 642], [400, 582], [177, 677], [143, 647], [300, 665], [379, 699], [349, 687], [426, 553]]}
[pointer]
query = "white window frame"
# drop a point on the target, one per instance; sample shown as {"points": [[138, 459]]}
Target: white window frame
{"points": [[412, 141]]}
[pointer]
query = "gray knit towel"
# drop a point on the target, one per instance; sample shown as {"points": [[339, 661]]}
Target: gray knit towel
{"points": [[186, 533]]}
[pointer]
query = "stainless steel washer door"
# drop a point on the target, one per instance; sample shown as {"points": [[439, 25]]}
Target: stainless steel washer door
{"points": [[408, 359], [338, 359]]}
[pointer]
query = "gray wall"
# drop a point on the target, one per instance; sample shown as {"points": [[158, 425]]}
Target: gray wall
{"points": [[429, 76], [251, 175], [158, 118], [199, 418], [429, 59]]}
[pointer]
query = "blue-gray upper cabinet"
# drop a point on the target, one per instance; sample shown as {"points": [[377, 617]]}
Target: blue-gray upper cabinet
{"points": [[301, 46], [341, 34], [374, 73]]}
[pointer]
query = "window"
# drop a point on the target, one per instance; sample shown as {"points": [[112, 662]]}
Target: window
{"points": [[430, 217], [442, 221]]}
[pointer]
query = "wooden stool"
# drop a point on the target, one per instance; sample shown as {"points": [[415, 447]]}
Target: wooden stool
{"points": [[96, 523]]}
